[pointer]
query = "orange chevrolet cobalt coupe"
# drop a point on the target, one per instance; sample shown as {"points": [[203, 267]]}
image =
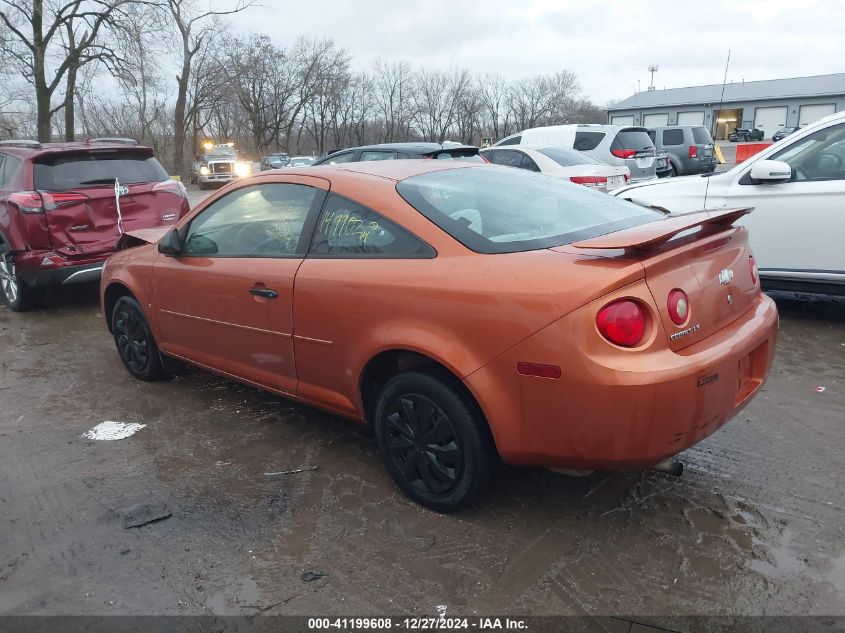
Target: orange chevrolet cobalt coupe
{"points": [[462, 310]]}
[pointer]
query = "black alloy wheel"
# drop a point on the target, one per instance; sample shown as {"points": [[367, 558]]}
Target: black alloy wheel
{"points": [[432, 440], [134, 340]]}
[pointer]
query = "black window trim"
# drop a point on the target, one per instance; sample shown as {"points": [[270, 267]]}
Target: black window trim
{"points": [[431, 254], [307, 227]]}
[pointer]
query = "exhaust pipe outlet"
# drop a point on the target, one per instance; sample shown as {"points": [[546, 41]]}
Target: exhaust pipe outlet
{"points": [[669, 466]]}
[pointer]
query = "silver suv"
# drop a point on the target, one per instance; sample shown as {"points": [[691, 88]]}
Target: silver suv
{"points": [[621, 145], [690, 148]]}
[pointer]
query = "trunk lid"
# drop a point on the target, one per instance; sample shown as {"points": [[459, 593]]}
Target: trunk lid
{"points": [[701, 254], [84, 210]]}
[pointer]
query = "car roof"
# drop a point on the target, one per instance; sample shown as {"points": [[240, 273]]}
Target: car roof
{"points": [[390, 169], [33, 148], [412, 147]]}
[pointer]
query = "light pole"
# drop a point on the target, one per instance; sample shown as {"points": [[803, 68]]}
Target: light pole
{"points": [[652, 70]]}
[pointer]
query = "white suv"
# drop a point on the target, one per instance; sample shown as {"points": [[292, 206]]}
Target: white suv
{"points": [[797, 187], [620, 145]]}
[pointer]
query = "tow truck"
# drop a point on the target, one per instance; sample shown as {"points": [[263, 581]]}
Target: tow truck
{"points": [[218, 165]]}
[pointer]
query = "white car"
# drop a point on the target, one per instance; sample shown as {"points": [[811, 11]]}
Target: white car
{"points": [[562, 162], [797, 187]]}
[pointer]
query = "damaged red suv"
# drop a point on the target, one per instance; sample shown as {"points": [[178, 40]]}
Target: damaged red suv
{"points": [[64, 206]]}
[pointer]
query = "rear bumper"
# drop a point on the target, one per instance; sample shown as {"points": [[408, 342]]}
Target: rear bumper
{"points": [[69, 272], [67, 275], [621, 408]]}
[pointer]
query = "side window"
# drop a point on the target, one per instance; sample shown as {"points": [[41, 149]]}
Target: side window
{"points": [[511, 141], [672, 137], [348, 229], [8, 169], [509, 158], [345, 157], [819, 156], [377, 155], [259, 221], [585, 141], [528, 163], [491, 156]]}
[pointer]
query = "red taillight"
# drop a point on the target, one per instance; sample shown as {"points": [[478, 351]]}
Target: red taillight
{"points": [[623, 153], [590, 181], [678, 305], [27, 201], [538, 370], [753, 266], [62, 199], [171, 186], [622, 322], [693, 151]]}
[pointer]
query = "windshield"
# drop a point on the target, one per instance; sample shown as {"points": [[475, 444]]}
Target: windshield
{"points": [[221, 152], [501, 210], [566, 157], [70, 171]]}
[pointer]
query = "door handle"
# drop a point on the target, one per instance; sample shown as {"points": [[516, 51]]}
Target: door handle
{"points": [[267, 293]]}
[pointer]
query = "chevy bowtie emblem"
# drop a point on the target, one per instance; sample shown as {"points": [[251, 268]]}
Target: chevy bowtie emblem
{"points": [[726, 276]]}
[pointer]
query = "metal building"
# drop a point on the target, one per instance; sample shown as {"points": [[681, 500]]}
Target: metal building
{"points": [[767, 105]]}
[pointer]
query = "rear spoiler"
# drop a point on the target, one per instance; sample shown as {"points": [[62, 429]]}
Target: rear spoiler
{"points": [[655, 233], [457, 150]]}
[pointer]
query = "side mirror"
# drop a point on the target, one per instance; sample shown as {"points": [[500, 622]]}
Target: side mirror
{"points": [[771, 171], [170, 244]]}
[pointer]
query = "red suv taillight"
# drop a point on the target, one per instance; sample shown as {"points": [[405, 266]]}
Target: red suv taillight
{"points": [[171, 186], [678, 305], [590, 181], [622, 322], [623, 153], [27, 201], [753, 266], [693, 151], [63, 199]]}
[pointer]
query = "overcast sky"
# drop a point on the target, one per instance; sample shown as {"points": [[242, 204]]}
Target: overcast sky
{"points": [[609, 44]]}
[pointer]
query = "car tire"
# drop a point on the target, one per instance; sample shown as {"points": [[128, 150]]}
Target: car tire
{"points": [[134, 340], [673, 171], [17, 294], [202, 185], [433, 440]]}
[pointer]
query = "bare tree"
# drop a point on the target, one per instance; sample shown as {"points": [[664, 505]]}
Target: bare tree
{"points": [[37, 48], [493, 92], [195, 28], [394, 89]]}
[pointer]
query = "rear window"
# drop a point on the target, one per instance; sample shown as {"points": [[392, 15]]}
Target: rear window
{"points": [[672, 137], [71, 171], [567, 157], [701, 136], [585, 141], [511, 141], [633, 138], [502, 210]]}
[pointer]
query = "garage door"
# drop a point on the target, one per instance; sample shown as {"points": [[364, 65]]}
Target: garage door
{"points": [[655, 120], [691, 118], [770, 120], [622, 120], [810, 113]]}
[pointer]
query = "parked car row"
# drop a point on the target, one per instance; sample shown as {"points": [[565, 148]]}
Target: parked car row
{"points": [[464, 310], [797, 187]]}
